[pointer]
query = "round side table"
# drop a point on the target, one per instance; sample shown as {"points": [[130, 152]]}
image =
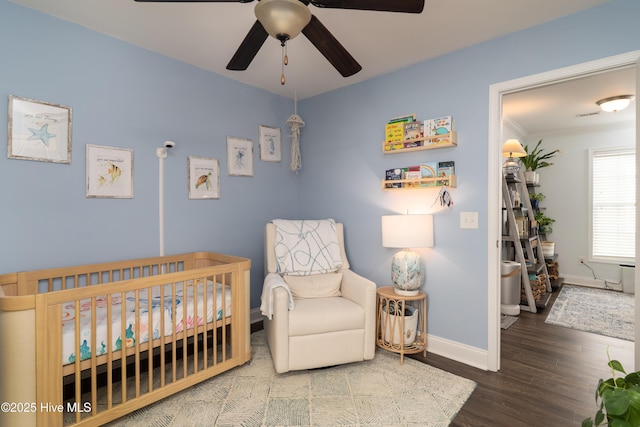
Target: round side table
{"points": [[401, 322]]}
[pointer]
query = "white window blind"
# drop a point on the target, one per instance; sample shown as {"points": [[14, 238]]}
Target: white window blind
{"points": [[613, 205]]}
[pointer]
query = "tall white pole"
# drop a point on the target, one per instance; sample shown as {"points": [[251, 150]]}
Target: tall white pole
{"points": [[162, 154]]}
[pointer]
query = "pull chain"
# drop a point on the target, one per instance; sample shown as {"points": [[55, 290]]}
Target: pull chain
{"points": [[285, 60]]}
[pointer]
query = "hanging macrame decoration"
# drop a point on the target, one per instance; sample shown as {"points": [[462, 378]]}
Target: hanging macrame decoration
{"points": [[296, 123]]}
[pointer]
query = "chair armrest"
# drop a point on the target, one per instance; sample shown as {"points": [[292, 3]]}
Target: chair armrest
{"points": [[277, 330], [363, 292]]}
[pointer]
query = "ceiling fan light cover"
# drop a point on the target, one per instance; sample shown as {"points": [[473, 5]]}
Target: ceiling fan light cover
{"points": [[615, 103], [282, 17]]}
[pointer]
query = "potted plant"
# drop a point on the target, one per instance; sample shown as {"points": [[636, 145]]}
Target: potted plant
{"points": [[544, 222], [618, 399], [535, 159], [536, 199]]}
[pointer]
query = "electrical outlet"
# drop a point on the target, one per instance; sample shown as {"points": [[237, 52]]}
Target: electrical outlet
{"points": [[581, 260]]}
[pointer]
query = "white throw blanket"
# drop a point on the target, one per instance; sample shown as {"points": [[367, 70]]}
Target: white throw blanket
{"points": [[271, 282], [307, 247]]}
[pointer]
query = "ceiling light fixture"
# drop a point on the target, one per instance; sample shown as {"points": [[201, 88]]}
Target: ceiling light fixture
{"points": [[283, 20], [615, 103]]}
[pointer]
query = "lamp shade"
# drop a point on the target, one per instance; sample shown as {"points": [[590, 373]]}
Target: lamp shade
{"points": [[513, 148], [407, 231], [283, 17]]}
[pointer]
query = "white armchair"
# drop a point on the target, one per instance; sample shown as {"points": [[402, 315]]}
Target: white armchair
{"points": [[333, 316]]}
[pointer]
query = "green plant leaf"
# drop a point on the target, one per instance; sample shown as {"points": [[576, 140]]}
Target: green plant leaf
{"points": [[616, 402], [633, 378], [614, 364], [587, 422], [620, 423]]}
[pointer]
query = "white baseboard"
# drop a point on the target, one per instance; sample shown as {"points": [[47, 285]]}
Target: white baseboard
{"points": [[462, 353], [255, 315], [591, 283]]}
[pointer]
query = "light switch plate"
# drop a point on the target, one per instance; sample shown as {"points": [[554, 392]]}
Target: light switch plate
{"points": [[469, 220]]}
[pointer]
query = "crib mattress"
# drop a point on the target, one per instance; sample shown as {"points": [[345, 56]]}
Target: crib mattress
{"points": [[156, 305]]}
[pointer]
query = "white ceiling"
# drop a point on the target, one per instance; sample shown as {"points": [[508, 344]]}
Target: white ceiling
{"points": [[207, 34], [566, 106]]}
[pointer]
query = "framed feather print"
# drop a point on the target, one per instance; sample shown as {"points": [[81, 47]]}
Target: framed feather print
{"points": [[109, 172], [204, 178]]}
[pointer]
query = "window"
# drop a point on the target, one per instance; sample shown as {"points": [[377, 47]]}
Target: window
{"points": [[613, 205]]}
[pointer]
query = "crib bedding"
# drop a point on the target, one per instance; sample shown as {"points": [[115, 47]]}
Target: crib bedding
{"points": [[161, 303]]}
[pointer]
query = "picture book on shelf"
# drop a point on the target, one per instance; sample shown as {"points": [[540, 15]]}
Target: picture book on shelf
{"points": [[412, 173], [428, 170], [446, 168], [392, 175], [411, 131]]}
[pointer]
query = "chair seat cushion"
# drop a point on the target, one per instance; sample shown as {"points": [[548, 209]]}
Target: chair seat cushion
{"points": [[315, 286], [322, 315]]}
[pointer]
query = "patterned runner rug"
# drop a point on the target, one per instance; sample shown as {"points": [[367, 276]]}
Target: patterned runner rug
{"points": [[378, 392], [600, 311]]}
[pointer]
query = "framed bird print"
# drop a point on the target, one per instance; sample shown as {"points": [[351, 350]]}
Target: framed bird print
{"points": [[204, 178], [109, 172], [39, 131]]}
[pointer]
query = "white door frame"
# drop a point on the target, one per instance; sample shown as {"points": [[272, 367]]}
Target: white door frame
{"points": [[494, 241]]}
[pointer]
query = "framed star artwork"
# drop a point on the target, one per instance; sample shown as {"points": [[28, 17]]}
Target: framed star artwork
{"points": [[204, 178], [39, 131]]}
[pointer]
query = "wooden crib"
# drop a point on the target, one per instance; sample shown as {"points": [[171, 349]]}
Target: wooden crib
{"points": [[85, 345]]}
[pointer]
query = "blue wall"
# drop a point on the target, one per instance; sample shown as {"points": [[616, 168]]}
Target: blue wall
{"points": [[125, 96], [128, 97], [344, 164]]}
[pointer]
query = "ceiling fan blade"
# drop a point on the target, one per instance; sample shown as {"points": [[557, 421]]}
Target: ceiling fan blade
{"points": [[248, 48], [331, 48], [194, 1], [407, 6]]}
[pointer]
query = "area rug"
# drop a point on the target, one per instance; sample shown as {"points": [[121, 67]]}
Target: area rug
{"points": [[600, 311], [380, 392]]}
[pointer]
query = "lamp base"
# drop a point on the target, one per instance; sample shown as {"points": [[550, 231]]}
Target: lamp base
{"points": [[407, 270], [406, 293]]}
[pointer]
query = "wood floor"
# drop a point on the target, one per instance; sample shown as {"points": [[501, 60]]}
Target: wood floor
{"points": [[548, 375]]}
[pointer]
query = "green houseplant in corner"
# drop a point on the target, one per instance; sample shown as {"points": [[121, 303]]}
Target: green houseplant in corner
{"points": [[618, 399], [535, 159]]}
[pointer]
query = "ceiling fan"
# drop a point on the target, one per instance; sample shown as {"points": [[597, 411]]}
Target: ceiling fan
{"points": [[285, 19]]}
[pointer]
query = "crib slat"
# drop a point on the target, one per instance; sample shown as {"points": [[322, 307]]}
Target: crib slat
{"points": [[162, 332], [205, 317], [184, 330], [223, 330], [94, 350], [109, 353], [174, 307], [150, 339], [77, 357], [195, 324], [136, 338], [123, 345]]}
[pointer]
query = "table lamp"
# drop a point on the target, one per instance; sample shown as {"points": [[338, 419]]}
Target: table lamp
{"points": [[407, 231], [512, 148]]}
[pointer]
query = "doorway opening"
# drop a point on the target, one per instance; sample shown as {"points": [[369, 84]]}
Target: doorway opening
{"points": [[497, 91]]}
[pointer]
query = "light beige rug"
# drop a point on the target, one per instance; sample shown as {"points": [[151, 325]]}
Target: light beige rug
{"points": [[380, 392]]}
